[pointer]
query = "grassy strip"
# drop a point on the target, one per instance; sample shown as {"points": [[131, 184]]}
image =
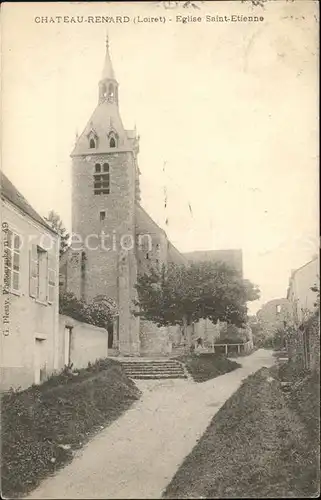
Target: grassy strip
{"points": [[43, 425], [206, 366], [257, 446]]}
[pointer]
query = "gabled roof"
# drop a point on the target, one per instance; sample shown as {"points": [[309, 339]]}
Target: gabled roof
{"points": [[144, 222], [146, 225], [295, 271], [104, 120], [11, 193], [175, 255]]}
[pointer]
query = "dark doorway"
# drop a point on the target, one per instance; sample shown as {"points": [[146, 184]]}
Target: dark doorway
{"points": [[110, 330]]}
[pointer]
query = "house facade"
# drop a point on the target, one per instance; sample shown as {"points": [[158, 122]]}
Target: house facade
{"points": [[299, 293], [29, 292], [304, 341]]}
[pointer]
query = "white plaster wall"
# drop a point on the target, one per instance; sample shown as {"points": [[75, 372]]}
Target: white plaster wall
{"points": [[28, 318], [88, 342]]}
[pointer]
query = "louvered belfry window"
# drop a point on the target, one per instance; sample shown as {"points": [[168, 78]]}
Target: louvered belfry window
{"points": [[101, 179]]}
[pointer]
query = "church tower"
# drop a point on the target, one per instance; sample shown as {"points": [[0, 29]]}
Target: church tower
{"points": [[105, 189]]}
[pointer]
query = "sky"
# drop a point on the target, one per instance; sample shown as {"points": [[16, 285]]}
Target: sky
{"points": [[227, 115]]}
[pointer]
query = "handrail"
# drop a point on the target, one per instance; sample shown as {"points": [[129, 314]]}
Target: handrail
{"points": [[241, 343], [245, 344]]}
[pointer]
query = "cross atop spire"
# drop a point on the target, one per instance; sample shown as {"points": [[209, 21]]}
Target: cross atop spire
{"points": [[107, 41]]}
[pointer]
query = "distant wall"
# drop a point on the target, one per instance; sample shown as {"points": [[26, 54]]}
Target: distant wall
{"points": [[86, 342], [273, 314], [175, 334], [154, 340]]}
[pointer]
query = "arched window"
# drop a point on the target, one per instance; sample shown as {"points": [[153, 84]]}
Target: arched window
{"points": [[101, 179], [112, 142], [111, 90], [104, 90], [92, 143]]}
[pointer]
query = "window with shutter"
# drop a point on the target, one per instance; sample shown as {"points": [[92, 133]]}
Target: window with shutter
{"points": [[42, 274], [51, 278], [33, 272], [15, 284], [12, 261], [38, 278]]}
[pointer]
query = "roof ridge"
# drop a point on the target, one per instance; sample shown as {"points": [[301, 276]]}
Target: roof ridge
{"points": [[10, 192], [150, 218], [307, 263]]}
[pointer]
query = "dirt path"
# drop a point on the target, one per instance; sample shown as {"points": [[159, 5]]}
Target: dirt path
{"points": [[138, 454]]}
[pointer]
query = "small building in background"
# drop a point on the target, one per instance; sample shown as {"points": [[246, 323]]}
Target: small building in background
{"points": [[273, 315]]}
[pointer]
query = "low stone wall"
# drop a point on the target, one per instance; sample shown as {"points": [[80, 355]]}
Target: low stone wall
{"points": [[159, 341], [87, 343]]}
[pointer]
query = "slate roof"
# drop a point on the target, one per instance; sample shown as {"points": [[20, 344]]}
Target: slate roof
{"points": [[104, 120], [11, 193], [144, 224], [175, 255], [108, 70]]}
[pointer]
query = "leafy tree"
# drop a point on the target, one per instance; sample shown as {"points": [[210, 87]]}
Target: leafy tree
{"points": [[71, 306], [230, 334], [182, 295], [56, 223], [260, 335], [96, 313], [99, 313]]}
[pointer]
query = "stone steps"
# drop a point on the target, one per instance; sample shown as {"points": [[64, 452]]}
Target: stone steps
{"points": [[153, 369]]}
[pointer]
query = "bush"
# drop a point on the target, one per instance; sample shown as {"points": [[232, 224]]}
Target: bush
{"points": [[96, 313], [206, 366], [43, 425]]}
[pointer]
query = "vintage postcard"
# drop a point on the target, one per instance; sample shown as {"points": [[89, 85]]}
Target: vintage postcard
{"points": [[160, 288]]}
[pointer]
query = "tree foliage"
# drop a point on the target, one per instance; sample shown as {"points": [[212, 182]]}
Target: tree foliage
{"points": [[96, 313], [182, 294], [56, 223], [316, 289]]}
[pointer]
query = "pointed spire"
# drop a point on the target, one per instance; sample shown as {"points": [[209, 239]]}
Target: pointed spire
{"points": [[108, 71]]}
